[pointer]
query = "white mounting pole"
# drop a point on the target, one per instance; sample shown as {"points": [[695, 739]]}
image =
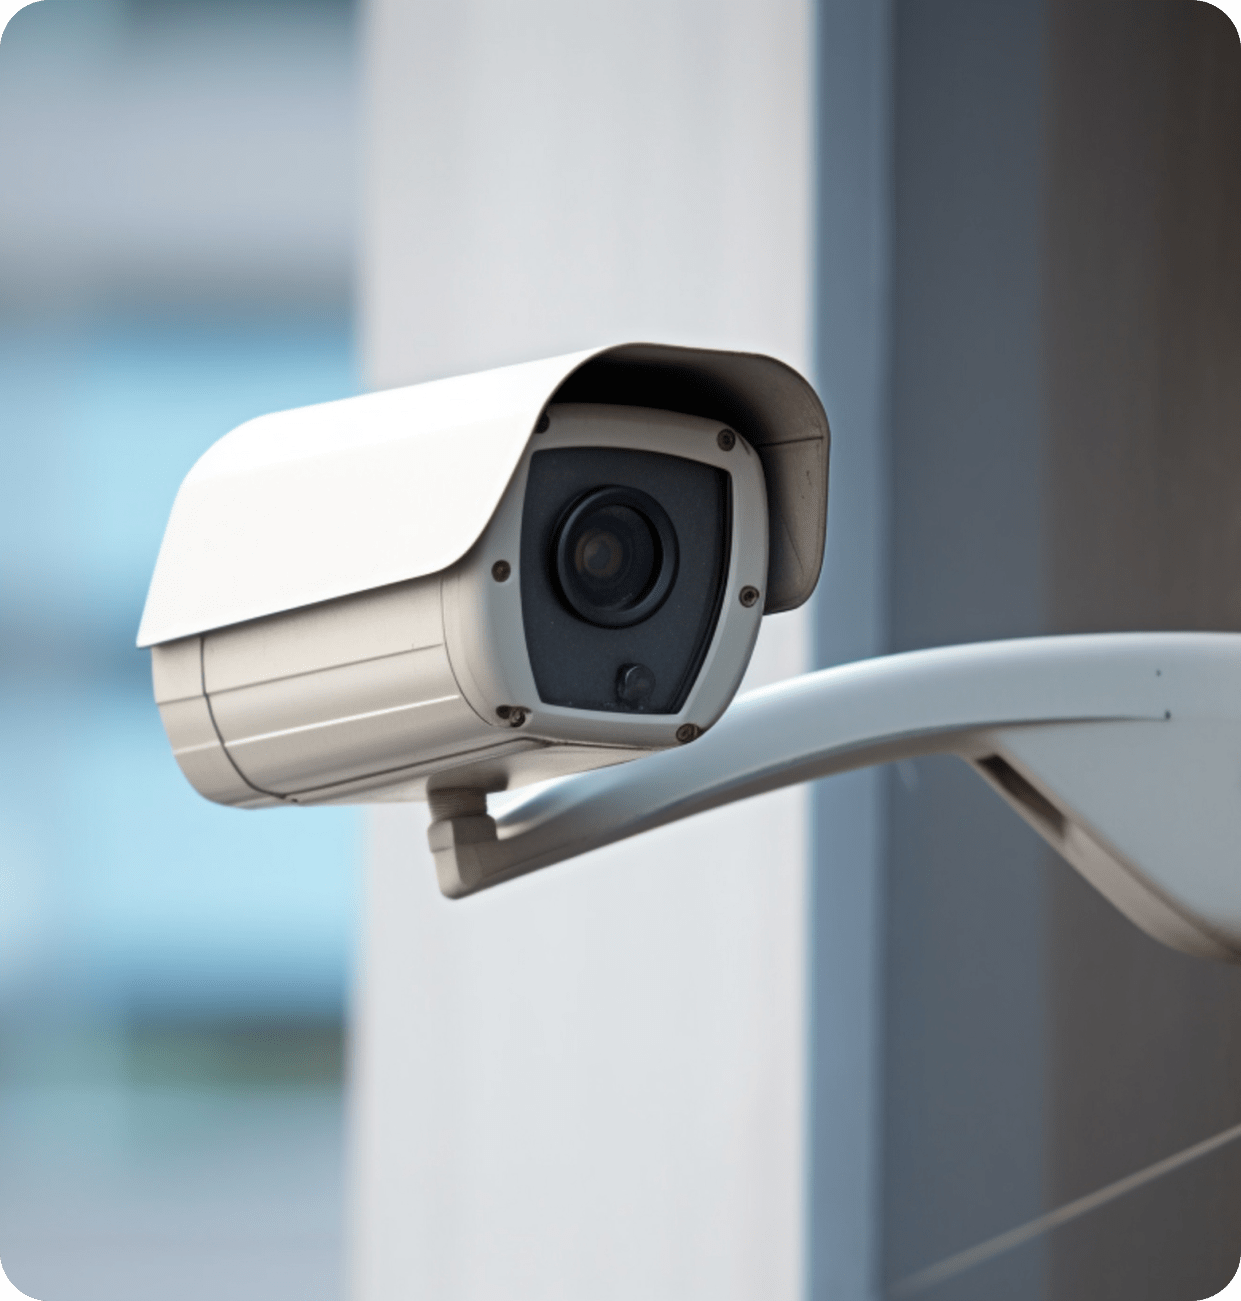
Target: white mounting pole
{"points": [[1123, 751]]}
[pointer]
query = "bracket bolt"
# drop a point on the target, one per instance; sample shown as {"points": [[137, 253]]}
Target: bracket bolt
{"points": [[749, 596]]}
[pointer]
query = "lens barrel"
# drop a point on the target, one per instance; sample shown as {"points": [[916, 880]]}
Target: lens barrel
{"points": [[615, 556]]}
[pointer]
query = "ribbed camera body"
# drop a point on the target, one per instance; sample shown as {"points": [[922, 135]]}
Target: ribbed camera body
{"points": [[482, 582], [621, 576]]}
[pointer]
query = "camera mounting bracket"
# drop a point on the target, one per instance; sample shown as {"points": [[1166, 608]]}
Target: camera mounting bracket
{"points": [[1122, 750]]}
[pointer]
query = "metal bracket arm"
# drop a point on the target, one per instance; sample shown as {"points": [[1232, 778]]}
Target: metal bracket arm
{"points": [[1123, 751]]}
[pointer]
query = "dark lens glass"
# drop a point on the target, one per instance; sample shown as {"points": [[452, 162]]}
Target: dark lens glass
{"points": [[615, 556]]}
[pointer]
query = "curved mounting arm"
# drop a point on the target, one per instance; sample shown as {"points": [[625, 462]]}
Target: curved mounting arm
{"points": [[1123, 751]]}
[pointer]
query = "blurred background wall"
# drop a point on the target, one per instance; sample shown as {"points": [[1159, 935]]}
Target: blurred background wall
{"points": [[177, 216]]}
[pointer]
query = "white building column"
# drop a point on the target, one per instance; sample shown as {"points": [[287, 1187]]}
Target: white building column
{"points": [[590, 1082]]}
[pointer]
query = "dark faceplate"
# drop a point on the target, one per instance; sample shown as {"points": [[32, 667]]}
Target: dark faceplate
{"points": [[650, 666]]}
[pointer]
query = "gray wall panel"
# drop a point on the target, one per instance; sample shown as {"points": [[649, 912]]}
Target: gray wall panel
{"points": [[964, 966], [1065, 456]]}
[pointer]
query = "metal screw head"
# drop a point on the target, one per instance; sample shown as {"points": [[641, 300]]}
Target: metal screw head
{"points": [[726, 439], [501, 570], [516, 717], [749, 596], [688, 732]]}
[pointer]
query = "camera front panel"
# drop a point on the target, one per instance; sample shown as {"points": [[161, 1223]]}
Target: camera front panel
{"points": [[624, 558]]}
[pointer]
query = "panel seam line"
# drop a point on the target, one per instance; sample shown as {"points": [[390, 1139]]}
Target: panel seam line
{"points": [[337, 722]]}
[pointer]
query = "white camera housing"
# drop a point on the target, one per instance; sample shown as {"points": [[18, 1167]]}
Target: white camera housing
{"points": [[383, 597]]}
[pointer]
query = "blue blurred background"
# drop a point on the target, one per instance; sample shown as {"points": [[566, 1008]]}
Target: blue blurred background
{"points": [[176, 249]]}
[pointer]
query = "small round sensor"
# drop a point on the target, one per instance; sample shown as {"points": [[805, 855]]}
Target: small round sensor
{"points": [[634, 684]]}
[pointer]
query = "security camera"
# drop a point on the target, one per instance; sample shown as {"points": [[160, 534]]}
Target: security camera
{"points": [[480, 583], [486, 581]]}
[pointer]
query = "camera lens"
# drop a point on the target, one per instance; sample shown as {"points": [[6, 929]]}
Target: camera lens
{"points": [[615, 556]]}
